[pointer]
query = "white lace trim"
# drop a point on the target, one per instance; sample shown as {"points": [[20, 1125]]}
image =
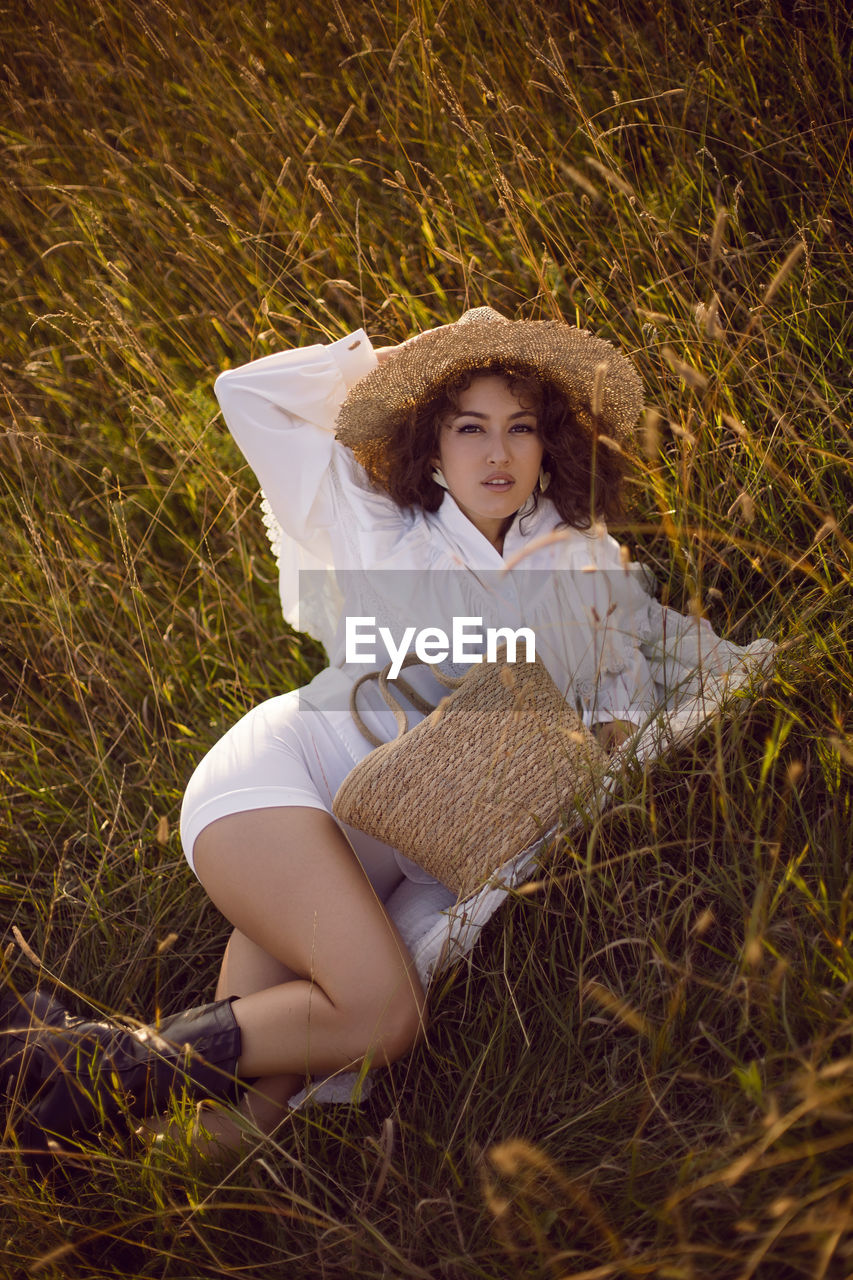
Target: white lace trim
{"points": [[275, 533]]}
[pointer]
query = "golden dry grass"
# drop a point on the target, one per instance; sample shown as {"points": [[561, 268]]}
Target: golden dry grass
{"points": [[646, 1070]]}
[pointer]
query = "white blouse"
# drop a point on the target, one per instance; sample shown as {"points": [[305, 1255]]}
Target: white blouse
{"points": [[346, 549]]}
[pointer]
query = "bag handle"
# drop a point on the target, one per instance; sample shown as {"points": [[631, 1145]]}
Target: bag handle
{"points": [[410, 694], [419, 703]]}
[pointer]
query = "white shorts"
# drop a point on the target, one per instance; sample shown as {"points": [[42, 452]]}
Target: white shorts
{"points": [[281, 753]]}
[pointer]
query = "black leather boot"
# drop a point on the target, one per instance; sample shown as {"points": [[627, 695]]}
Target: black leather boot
{"points": [[76, 1075]]}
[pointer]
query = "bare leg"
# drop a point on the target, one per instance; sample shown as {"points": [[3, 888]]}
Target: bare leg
{"points": [[288, 880], [324, 978], [245, 968]]}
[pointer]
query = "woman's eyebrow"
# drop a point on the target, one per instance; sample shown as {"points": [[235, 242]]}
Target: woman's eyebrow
{"points": [[473, 413]]}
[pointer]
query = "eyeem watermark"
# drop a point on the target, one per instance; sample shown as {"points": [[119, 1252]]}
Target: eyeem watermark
{"points": [[432, 644]]}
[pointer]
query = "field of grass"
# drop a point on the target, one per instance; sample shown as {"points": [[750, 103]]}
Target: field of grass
{"points": [[647, 1068]]}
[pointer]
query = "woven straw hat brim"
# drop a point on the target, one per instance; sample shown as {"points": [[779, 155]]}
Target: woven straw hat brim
{"points": [[599, 383]]}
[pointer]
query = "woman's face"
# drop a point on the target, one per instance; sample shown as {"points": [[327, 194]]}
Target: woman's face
{"points": [[490, 452]]}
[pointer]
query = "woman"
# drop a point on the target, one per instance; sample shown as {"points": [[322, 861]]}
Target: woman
{"points": [[408, 518]]}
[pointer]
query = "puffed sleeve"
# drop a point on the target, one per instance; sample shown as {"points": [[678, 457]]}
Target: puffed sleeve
{"points": [[605, 603], [281, 410], [651, 658]]}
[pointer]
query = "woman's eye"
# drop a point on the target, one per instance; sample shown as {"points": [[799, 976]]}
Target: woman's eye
{"points": [[476, 426]]}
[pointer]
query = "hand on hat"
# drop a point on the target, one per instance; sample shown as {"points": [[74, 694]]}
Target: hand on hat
{"points": [[385, 353]]}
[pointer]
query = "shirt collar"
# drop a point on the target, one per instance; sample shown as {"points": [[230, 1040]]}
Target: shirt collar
{"points": [[476, 550]]}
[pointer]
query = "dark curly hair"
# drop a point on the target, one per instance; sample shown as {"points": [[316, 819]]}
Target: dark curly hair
{"points": [[586, 473]]}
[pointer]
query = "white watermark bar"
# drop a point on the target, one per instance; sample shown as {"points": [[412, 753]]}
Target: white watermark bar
{"points": [[576, 622], [467, 643]]}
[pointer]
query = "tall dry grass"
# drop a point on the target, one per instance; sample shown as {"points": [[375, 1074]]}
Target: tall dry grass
{"points": [[646, 1069]]}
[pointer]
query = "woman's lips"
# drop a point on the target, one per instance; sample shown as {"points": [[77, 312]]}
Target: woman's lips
{"points": [[499, 482]]}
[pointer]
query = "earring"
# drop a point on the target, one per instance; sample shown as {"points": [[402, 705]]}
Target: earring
{"points": [[438, 477], [544, 479]]}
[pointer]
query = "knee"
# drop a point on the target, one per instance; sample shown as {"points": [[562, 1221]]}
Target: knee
{"points": [[410, 1022], [396, 1022]]}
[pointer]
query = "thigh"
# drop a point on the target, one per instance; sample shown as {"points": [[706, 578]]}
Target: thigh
{"points": [[279, 754], [288, 881]]}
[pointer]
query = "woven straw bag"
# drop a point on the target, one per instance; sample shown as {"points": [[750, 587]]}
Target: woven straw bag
{"points": [[487, 772]]}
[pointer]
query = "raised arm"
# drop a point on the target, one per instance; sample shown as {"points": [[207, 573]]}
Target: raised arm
{"points": [[281, 410]]}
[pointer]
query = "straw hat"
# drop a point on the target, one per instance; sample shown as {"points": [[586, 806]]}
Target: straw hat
{"points": [[601, 386]]}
